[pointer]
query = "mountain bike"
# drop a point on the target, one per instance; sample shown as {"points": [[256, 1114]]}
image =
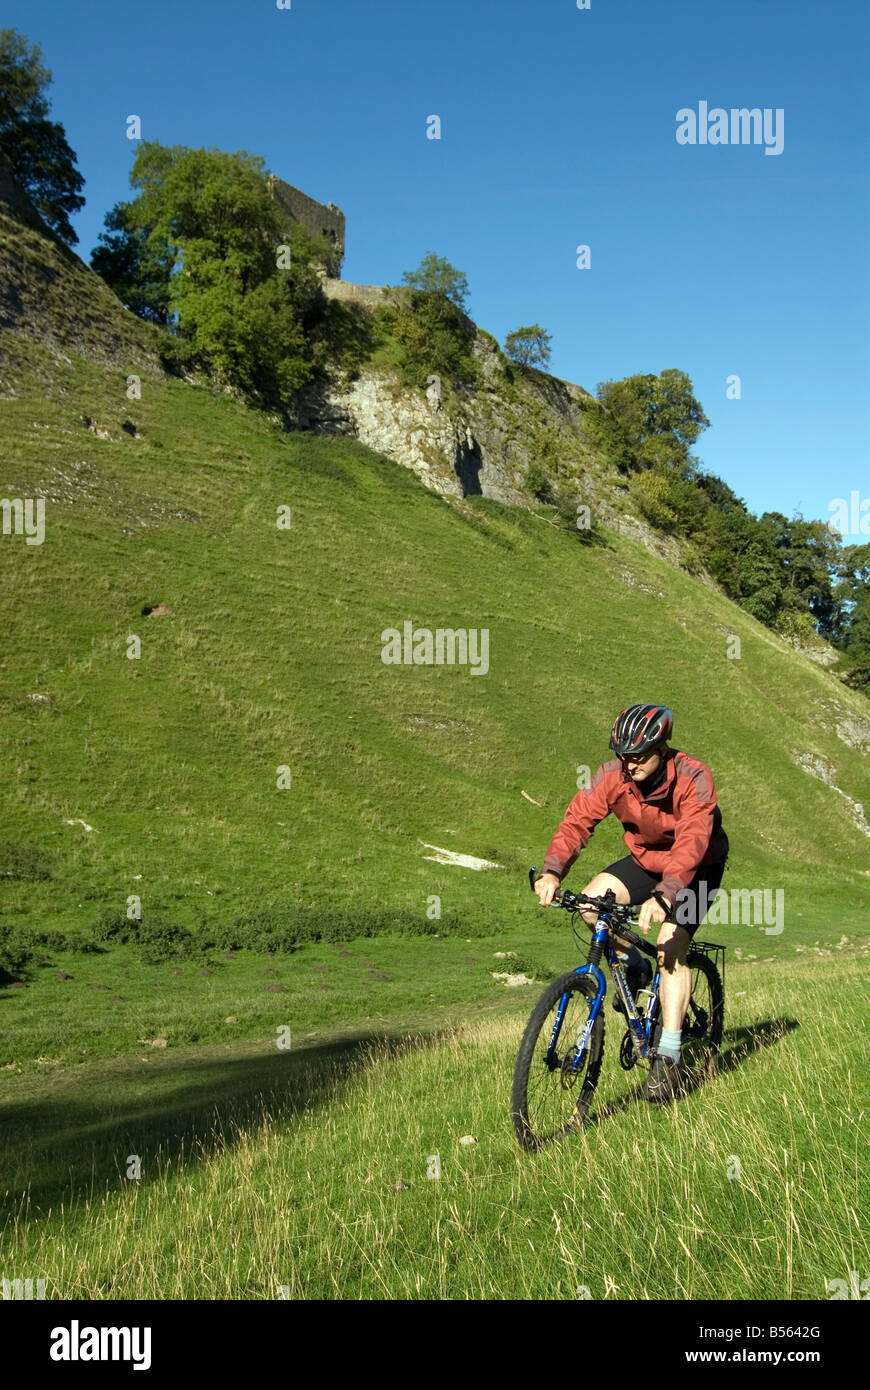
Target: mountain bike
{"points": [[559, 1058]]}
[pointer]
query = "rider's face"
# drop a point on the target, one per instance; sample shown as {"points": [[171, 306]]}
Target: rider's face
{"points": [[641, 769]]}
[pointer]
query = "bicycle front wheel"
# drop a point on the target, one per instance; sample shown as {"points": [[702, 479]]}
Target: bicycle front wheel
{"points": [[549, 1096]]}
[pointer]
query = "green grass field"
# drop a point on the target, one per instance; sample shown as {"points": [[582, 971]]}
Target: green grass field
{"points": [[304, 1173], [267, 1169]]}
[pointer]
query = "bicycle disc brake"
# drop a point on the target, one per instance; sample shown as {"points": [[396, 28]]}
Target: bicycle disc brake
{"points": [[569, 1077]]}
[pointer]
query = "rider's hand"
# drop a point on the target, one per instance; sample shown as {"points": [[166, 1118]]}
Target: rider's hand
{"points": [[651, 911], [545, 887]]}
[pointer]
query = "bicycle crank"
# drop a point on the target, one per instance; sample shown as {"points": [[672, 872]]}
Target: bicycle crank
{"points": [[627, 1054]]}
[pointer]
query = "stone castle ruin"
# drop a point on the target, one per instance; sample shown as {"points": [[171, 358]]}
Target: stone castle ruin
{"points": [[324, 219]]}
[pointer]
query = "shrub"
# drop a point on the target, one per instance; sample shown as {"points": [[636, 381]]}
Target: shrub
{"points": [[177, 356], [155, 938], [795, 622], [436, 338], [16, 952], [538, 482], [530, 966], [54, 941], [651, 492], [286, 928], [23, 862]]}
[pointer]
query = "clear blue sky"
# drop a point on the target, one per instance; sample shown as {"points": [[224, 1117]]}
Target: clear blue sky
{"points": [[558, 128]]}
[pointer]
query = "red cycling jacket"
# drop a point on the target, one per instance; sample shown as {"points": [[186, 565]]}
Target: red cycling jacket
{"points": [[670, 833]]}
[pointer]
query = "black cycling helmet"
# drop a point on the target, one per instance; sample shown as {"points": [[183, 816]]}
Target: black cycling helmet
{"points": [[639, 728]]}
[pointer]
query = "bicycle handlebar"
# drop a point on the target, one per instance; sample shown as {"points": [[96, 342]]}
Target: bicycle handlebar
{"points": [[615, 914]]}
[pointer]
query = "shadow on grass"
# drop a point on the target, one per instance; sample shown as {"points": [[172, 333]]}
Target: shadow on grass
{"points": [[55, 1149], [743, 1042]]}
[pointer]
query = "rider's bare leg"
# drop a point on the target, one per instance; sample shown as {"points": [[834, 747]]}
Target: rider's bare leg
{"points": [[675, 979], [596, 888]]}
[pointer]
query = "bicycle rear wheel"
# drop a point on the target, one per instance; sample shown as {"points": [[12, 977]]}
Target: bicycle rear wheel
{"points": [[702, 1024], [548, 1098]]}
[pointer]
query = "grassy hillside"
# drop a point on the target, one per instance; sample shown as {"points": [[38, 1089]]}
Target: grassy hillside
{"points": [[271, 657], [49, 296]]}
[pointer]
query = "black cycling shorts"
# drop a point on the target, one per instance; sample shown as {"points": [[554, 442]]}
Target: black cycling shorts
{"points": [[640, 884]]}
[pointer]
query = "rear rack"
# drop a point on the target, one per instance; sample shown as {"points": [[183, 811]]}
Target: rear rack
{"points": [[714, 952]]}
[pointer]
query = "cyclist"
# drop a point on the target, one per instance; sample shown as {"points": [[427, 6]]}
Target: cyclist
{"points": [[666, 801]]}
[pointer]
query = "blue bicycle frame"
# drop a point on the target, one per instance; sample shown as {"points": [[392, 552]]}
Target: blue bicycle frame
{"points": [[639, 1028]]}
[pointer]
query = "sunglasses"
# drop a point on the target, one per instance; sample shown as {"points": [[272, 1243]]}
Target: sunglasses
{"points": [[638, 757]]}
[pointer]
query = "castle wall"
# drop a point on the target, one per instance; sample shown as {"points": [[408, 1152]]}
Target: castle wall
{"points": [[348, 292], [324, 219]]}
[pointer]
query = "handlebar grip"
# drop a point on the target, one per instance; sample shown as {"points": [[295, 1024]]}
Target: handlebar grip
{"points": [[663, 902], [534, 875], [533, 878]]}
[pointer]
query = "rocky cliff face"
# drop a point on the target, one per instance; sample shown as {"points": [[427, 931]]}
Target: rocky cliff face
{"points": [[479, 442]]}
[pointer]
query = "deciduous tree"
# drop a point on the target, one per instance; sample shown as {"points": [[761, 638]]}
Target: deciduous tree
{"points": [[34, 148]]}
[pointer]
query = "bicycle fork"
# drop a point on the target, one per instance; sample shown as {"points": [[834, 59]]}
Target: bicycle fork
{"points": [[586, 1032], [639, 1028]]}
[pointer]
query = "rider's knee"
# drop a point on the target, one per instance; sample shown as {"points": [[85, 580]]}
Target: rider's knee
{"points": [[596, 888], [673, 946], [670, 962], [601, 883]]}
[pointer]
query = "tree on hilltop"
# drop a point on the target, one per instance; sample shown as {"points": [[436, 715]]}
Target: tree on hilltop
{"points": [[853, 627], [435, 275], [204, 248], [657, 419], [35, 148], [529, 346], [135, 267]]}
